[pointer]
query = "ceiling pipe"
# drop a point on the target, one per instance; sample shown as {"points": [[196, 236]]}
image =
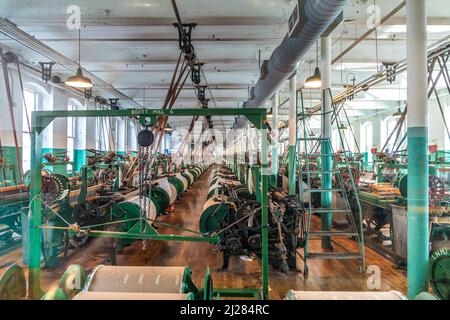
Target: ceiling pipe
{"points": [[12, 31], [319, 16]]}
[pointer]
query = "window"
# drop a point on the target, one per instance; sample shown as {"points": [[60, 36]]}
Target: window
{"points": [[366, 136], [98, 138], [347, 137], [104, 130], [71, 133], [31, 103], [120, 135], [447, 119], [132, 136], [389, 126], [335, 141]]}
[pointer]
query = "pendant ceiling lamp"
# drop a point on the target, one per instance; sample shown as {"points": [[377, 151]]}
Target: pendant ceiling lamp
{"points": [[168, 129], [78, 80], [315, 81]]}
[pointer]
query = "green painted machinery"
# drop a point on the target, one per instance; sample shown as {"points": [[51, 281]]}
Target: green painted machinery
{"points": [[160, 200], [143, 283], [232, 214], [437, 188], [141, 230], [214, 213], [224, 183], [12, 201], [13, 285]]}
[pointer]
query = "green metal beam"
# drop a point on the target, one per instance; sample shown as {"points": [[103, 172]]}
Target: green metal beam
{"points": [[43, 118]]}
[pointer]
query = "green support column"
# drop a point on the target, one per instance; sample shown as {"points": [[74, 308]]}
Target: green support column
{"points": [[418, 207], [35, 234], [264, 211], [326, 197], [257, 175], [292, 169], [418, 185]]}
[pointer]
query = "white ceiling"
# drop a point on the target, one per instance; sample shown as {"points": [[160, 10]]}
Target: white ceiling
{"points": [[133, 44]]}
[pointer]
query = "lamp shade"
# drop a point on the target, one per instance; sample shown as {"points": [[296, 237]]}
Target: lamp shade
{"points": [[315, 81], [168, 129], [79, 81]]}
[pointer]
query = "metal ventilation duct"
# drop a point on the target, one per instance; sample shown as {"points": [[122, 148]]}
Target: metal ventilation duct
{"points": [[318, 16]]}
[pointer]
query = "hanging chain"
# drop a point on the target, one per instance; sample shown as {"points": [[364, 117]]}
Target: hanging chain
{"points": [[145, 184]]}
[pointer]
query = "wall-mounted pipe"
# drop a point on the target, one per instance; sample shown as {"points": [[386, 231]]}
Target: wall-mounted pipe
{"points": [[319, 16]]}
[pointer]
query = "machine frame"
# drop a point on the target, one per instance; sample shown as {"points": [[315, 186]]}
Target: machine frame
{"points": [[41, 119]]}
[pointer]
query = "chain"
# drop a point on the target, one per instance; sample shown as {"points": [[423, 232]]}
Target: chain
{"points": [[145, 175]]}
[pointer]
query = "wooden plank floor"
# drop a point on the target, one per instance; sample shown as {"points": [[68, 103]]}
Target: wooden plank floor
{"points": [[326, 275]]}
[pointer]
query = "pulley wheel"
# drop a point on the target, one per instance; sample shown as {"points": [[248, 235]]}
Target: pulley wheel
{"points": [[145, 138], [439, 273], [13, 284], [436, 188], [54, 188]]}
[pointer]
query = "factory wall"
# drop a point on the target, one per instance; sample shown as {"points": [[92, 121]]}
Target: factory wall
{"points": [[54, 137], [437, 132]]}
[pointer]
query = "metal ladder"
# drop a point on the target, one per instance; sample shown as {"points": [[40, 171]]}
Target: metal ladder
{"points": [[356, 230]]}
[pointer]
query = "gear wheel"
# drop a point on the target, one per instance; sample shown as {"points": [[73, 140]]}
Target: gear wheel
{"points": [[234, 246], [53, 189]]}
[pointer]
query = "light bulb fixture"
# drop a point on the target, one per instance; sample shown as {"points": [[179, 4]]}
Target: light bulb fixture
{"points": [[78, 80], [315, 81], [398, 113], [342, 127], [168, 129]]}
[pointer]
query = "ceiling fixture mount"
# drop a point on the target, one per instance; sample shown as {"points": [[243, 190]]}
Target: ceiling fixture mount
{"points": [[342, 127], [398, 114], [78, 80], [315, 81]]}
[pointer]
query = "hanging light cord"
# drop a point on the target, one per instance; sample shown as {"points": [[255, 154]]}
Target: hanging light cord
{"points": [[317, 53], [376, 37], [79, 47]]}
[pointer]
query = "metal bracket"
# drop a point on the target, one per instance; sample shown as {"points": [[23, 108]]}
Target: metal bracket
{"points": [[185, 40], [88, 93], [40, 123], [201, 93], [205, 104], [147, 121], [255, 121], [113, 103], [196, 73], [46, 69], [391, 71]]}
